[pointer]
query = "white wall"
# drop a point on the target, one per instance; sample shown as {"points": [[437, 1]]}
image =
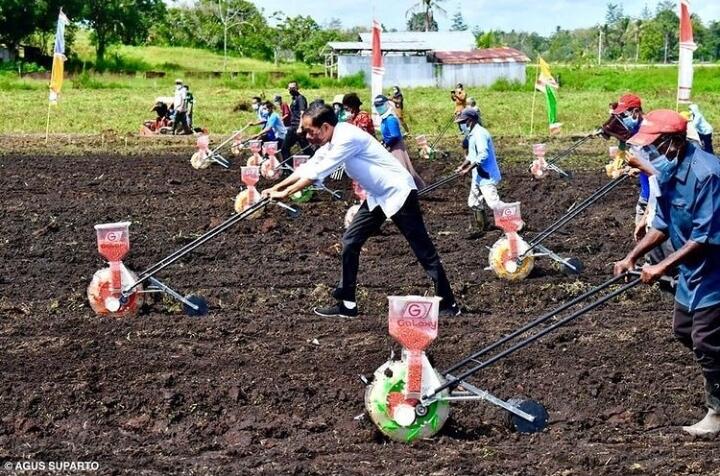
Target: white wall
{"points": [[404, 71], [483, 74], [415, 71]]}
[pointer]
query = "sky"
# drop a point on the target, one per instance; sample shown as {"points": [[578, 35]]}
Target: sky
{"points": [[540, 16]]}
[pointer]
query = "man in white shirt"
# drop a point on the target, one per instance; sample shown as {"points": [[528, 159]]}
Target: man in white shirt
{"points": [[180, 121], [391, 193]]}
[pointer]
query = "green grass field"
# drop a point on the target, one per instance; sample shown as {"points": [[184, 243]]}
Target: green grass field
{"points": [[93, 103]]}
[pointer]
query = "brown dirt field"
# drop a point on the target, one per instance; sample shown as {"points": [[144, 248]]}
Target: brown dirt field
{"points": [[245, 390]]}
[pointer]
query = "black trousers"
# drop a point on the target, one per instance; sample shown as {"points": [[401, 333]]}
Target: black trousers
{"points": [[699, 331], [410, 222], [293, 138]]}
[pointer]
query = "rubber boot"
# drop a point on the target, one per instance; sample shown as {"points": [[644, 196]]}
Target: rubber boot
{"points": [[710, 424], [478, 223]]}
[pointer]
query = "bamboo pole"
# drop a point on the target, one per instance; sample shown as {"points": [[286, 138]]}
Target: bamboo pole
{"points": [[47, 124]]}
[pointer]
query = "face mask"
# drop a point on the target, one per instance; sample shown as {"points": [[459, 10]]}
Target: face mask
{"points": [[630, 123], [255, 106], [342, 116], [293, 92], [381, 109], [464, 128]]}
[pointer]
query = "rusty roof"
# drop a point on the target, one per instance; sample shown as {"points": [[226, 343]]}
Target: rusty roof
{"points": [[503, 54]]}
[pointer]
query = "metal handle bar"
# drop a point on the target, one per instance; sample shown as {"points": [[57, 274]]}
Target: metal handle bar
{"points": [[572, 148], [176, 255], [575, 211], [438, 184], [226, 141], [545, 317], [524, 343], [442, 132]]}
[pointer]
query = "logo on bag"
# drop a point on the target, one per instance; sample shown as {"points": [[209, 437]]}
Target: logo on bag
{"points": [[416, 310], [114, 236]]}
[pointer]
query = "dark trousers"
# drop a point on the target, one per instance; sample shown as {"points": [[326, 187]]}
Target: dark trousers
{"points": [[410, 222], [181, 125], [706, 141], [699, 331], [293, 138]]}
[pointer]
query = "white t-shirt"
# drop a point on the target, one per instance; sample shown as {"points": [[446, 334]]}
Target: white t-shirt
{"points": [[385, 180]]}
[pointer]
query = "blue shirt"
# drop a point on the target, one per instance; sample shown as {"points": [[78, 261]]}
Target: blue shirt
{"points": [[481, 152], [689, 209], [274, 124], [644, 181], [390, 130]]}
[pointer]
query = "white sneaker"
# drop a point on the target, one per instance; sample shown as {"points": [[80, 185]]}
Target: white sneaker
{"points": [[708, 426]]}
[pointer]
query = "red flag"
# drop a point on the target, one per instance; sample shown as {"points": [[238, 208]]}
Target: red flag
{"points": [[687, 46], [377, 65]]}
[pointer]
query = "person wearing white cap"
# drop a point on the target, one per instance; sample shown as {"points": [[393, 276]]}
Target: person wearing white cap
{"points": [[180, 120]]}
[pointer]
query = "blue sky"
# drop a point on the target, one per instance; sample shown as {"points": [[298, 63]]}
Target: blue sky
{"points": [[523, 15]]}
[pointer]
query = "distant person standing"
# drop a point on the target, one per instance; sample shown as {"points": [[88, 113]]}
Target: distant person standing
{"points": [[180, 125], [298, 106], [355, 116], [459, 96], [399, 103], [703, 128], [189, 107], [283, 110], [392, 138]]}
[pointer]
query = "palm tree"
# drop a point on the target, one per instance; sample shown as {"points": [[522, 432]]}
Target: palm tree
{"points": [[426, 7]]}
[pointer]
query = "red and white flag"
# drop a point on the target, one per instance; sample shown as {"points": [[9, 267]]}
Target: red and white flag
{"points": [[376, 78], [687, 46]]}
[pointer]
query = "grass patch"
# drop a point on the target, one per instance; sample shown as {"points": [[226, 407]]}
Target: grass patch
{"points": [[582, 100]]}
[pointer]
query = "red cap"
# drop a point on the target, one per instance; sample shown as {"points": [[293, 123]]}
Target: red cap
{"points": [[627, 101], [657, 123]]}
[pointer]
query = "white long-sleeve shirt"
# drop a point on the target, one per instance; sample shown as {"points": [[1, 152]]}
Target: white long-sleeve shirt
{"points": [[385, 180]]}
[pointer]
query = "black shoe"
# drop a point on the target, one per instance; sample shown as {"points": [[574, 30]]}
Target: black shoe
{"points": [[338, 310], [450, 311]]}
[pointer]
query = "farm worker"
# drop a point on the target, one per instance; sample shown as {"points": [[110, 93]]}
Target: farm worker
{"points": [[688, 212], [703, 128], [283, 109], [298, 105], [399, 102], [338, 108], [391, 193], [392, 138], [626, 116], [356, 117], [189, 106], [481, 159], [180, 108], [261, 114], [274, 130], [459, 96]]}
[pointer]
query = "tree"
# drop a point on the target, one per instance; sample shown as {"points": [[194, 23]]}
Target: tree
{"points": [[117, 20], [458, 22], [487, 40], [426, 7], [17, 21], [231, 15], [416, 22]]}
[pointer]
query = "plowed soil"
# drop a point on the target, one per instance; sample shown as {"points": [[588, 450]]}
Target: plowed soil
{"points": [[261, 386]]}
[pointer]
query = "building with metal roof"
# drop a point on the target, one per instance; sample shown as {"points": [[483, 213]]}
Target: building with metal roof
{"points": [[441, 59]]}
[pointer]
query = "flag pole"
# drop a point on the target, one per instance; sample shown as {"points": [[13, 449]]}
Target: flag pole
{"points": [[532, 110], [47, 124]]}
